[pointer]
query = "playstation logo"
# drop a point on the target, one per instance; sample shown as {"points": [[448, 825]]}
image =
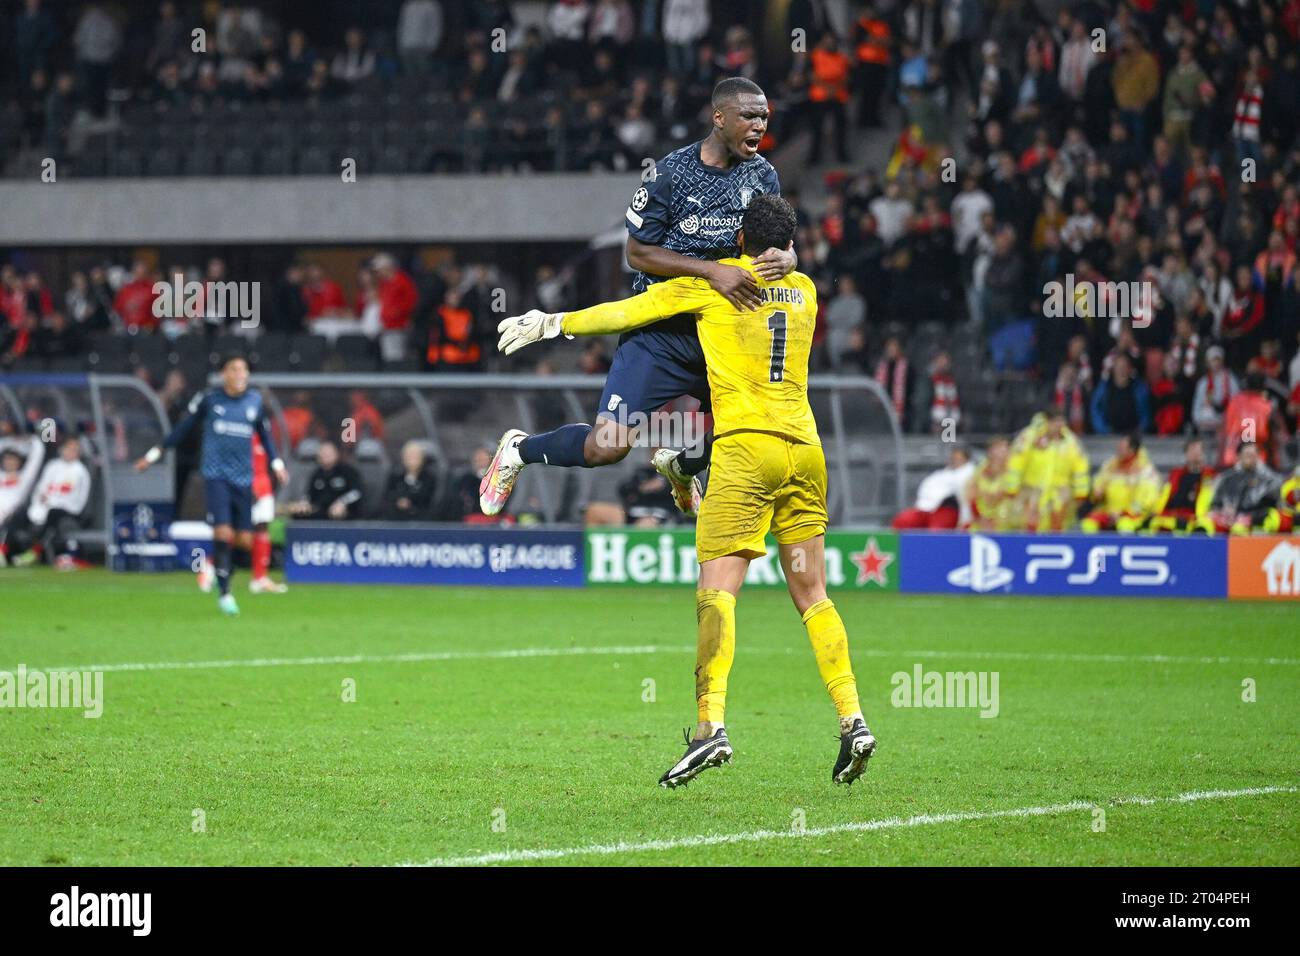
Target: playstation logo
{"points": [[985, 572]]}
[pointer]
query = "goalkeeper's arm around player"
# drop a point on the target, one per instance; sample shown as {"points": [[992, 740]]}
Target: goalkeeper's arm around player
{"points": [[658, 302]]}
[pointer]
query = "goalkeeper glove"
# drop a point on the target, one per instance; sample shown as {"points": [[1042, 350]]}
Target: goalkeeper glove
{"points": [[533, 326]]}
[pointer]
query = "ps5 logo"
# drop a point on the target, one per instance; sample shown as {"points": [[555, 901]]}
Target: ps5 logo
{"points": [[1140, 565], [984, 573], [1143, 565]]}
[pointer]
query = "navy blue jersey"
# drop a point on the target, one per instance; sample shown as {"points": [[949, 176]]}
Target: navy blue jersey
{"points": [[228, 427], [695, 209]]}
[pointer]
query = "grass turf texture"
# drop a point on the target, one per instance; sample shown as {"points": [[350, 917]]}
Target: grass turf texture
{"points": [[287, 773]]}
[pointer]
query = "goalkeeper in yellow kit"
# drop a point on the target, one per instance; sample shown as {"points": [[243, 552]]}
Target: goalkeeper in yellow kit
{"points": [[769, 473]]}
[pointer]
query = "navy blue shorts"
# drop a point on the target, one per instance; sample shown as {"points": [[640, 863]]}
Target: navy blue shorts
{"points": [[229, 503], [654, 365]]}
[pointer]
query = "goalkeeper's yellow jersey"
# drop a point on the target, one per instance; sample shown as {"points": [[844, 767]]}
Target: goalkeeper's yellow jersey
{"points": [[757, 361]]}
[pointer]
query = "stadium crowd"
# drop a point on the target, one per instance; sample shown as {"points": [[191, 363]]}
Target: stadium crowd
{"points": [[1042, 481], [586, 85]]}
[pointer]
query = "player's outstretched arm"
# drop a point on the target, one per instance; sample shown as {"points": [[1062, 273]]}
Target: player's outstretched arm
{"points": [[533, 326], [658, 302], [196, 410], [733, 283]]}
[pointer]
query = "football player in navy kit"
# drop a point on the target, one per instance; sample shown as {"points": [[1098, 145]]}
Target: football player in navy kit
{"points": [[680, 222], [230, 415]]}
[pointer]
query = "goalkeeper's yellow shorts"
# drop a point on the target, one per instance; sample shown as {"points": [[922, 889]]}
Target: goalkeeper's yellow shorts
{"points": [[758, 482]]}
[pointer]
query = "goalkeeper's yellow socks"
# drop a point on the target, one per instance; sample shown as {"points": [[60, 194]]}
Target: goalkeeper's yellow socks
{"points": [[715, 611], [830, 644]]}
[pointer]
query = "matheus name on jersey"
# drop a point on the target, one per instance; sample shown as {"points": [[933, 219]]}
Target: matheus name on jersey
{"points": [[695, 209]]}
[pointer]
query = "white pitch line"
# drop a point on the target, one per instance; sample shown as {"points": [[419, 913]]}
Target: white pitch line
{"points": [[425, 656], [890, 823], [1081, 658], [417, 657]]}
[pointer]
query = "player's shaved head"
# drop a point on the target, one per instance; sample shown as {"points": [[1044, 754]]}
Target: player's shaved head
{"points": [[730, 90], [769, 223], [740, 115]]}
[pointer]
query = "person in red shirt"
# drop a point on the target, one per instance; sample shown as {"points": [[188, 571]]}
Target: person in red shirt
{"points": [[397, 295], [365, 416], [134, 301], [323, 296], [299, 419], [397, 301], [1176, 507], [1203, 172], [13, 297], [1039, 154], [1242, 318], [263, 515], [1288, 208], [1170, 409], [39, 300], [1268, 362], [1249, 418]]}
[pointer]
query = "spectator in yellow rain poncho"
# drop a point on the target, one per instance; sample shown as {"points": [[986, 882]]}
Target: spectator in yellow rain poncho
{"points": [[1047, 473], [992, 509], [1125, 490]]}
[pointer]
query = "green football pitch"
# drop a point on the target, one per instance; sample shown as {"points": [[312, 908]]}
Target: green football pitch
{"points": [[531, 726]]}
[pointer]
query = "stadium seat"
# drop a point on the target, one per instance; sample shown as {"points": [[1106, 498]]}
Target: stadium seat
{"points": [[148, 350], [307, 353], [357, 352], [163, 162], [138, 136], [313, 133], [275, 161], [237, 161], [393, 159], [67, 363], [271, 352], [314, 161], [108, 353], [228, 343], [188, 350], [201, 161], [127, 162], [91, 163], [372, 461]]}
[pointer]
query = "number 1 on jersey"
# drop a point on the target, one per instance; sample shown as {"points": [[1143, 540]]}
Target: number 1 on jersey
{"points": [[776, 325]]}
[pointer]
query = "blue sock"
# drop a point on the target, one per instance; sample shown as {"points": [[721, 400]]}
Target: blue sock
{"points": [[561, 447], [221, 559], [695, 459]]}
